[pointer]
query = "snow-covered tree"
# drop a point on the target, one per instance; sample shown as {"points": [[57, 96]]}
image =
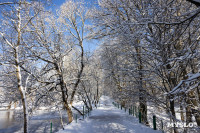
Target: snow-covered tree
{"points": [[16, 17]]}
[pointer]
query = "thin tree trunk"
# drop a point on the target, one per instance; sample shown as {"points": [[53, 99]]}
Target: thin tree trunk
{"points": [[188, 110], [170, 98], [10, 104], [182, 114], [18, 71], [22, 91], [142, 91], [197, 116], [79, 74], [172, 110], [89, 101], [84, 100], [97, 98]]}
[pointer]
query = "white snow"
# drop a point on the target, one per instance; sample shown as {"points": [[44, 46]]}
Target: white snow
{"points": [[187, 81], [108, 119]]}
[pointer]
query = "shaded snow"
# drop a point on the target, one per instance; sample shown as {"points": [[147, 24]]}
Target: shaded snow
{"points": [[108, 119]]}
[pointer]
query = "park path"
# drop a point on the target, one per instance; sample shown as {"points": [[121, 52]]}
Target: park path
{"points": [[108, 119]]}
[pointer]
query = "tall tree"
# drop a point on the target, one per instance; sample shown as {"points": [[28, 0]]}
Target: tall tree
{"points": [[73, 16], [16, 18]]}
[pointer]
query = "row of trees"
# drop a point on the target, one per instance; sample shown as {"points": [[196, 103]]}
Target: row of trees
{"points": [[42, 58], [150, 55]]}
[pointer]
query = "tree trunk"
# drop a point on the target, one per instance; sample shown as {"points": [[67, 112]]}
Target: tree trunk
{"points": [[10, 104], [182, 114], [172, 110], [69, 113], [192, 104], [84, 101], [188, 110], [197, 116], [64, 92], [22, 91], [88, 98], [97, 98], [79, 73], [142, 91], [25, 109], [18, 71], [172, 82]]}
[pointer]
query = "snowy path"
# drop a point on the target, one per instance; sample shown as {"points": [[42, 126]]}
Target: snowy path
{"points": [[108, 119]]}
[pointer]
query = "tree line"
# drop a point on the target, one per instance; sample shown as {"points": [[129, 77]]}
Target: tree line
{"points": [[150, 56]]}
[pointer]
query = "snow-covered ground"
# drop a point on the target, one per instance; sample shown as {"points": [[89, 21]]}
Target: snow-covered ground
{"points": [[11, 121], [108, 119], [38, 123]]}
